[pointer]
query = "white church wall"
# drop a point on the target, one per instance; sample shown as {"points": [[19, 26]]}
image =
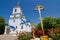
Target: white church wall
{"points": [[17, 15], [14, 22], [24, 27], [18, 28], [12, 32], [28, 28], [11, 16]]}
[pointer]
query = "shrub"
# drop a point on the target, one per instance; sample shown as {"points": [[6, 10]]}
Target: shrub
{"points": [[26, 36], [55, 33]]}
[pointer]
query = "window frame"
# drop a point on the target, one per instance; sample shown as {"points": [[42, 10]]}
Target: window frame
{"points": [[21, 27]]}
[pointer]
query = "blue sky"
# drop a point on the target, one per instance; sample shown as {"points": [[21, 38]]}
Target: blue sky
{"points": [[52, 8]]}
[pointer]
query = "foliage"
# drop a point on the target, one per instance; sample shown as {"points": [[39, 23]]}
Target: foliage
{"points": [[48, 23], [25, 36], [2, 25], [58, 22], [51, 24], [38, 27], [54, 33]]}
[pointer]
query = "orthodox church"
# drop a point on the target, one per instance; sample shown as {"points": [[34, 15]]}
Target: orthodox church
{"points": [[17, 22]]}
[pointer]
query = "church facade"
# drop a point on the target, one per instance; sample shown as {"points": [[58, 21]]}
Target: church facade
{"points": [[17, 22]]}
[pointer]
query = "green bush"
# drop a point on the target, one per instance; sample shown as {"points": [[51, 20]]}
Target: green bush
{"points": [[55, 36], [26, 36]]}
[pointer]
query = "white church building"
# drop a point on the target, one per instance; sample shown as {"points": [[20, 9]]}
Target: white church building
{"points": [[17, 22]]}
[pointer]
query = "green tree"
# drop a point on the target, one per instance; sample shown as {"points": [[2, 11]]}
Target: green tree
{"points": [[2, 25], [48, 23], [58, 22], [52, 24], [38, 27]]}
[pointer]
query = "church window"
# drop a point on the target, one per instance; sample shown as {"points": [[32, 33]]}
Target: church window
{"points": [[16, 26], [15, 10], [14, 15], [29, 25], [13, 20], [21, 27], [13, 29], [26, 24]]}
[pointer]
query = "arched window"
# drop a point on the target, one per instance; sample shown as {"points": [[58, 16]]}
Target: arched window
{"points": [[21, 27], [13, 29], [13, 20], [15, 10], [26, 24], [29, 25], [16, 26]]}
